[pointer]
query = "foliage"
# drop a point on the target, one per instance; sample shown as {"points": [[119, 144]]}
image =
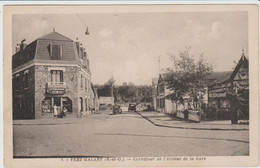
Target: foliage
{"points": [[133, 93], [127, 92], [187, 76], [106, 89]]}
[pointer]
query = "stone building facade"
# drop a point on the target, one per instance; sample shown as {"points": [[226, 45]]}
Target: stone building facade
{"points": [[51, 72]]}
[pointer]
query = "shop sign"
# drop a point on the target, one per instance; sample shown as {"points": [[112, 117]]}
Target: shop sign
{"points": [[217, 95], [56, 90]]}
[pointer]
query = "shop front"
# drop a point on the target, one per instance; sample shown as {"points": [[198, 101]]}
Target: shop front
{"points": [[218, 103], [56, 100]]}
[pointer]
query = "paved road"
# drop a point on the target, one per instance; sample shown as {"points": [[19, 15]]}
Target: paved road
{"points": [[127, 135]]}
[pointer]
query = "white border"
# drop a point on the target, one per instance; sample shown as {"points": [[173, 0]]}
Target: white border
{"points": [[2, 3]]}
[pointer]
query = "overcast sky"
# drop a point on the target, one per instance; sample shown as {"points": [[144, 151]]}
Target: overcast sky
{"points": [[127, 46]]}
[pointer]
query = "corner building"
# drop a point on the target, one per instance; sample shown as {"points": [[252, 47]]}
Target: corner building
{"points": [[52, 70]]}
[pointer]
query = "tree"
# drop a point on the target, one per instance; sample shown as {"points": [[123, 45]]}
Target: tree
{"points": [[107, 88], [187, 76]]}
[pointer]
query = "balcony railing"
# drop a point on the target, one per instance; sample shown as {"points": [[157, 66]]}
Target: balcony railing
{"points": [[56, 87], [57, 84]]}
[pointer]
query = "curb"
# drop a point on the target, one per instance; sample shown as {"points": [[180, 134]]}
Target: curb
{"points": [[180, 127]]}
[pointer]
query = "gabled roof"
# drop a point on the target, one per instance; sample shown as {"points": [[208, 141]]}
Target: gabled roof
{"points": [[55, 36], [161, 77], [218, 77], [243, 61], [221, 77]]}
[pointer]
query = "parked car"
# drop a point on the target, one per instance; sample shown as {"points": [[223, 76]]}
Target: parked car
{"points": [[102, 107], [124, 107], [117, 109], [132, 107]]}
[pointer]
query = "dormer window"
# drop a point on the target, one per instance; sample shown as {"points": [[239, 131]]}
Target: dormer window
{"points": [[56, 52]]}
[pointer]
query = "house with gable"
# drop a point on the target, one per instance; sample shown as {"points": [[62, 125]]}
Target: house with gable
{"points": [[236, 80]]}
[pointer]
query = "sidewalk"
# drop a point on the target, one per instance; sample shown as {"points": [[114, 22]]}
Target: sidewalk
{"points": [[59, 121], [164, 120]]}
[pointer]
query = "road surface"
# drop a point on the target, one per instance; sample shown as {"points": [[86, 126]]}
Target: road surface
{"points": [[123, 135]]}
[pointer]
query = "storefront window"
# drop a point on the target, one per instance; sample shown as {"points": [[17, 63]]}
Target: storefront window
{"points": [[46, 105], [224, 104], [67, 104], [60, 102], [214, 103]]}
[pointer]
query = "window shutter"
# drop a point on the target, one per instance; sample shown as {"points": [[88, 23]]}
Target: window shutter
{"points": [[61, 76], [50, 50], [56, 52]]}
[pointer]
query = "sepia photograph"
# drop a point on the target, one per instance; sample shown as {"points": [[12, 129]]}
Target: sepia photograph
{"points": [[134, 85]]}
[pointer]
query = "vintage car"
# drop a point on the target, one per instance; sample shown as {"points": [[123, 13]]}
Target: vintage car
{"points": [[132, 107], [117, 109]]}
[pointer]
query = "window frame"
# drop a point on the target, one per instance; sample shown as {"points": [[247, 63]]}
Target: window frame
{"points": [[61, 77], [51, 52]]}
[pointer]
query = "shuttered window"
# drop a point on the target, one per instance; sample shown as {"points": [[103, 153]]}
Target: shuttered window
{"points": [[56, 76], [56, 52]]}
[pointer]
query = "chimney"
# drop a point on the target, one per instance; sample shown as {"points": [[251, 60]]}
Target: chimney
{"points": [[81, 52], [77, 46], [23, 44], [85, 54], [17, 48]]}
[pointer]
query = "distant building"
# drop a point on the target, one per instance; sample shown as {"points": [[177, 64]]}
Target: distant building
{"points": [[51, 70], [106, 103]]}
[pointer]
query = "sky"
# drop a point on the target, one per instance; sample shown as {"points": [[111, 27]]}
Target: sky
{"points": [[127, 46]]}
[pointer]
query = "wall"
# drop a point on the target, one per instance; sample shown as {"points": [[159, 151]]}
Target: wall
{"points": [[106, 100], [42, 77], [23, 97], [168, 106]]}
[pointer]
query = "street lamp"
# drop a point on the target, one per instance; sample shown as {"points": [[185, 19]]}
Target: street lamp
{"points": [[87, 32]]}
